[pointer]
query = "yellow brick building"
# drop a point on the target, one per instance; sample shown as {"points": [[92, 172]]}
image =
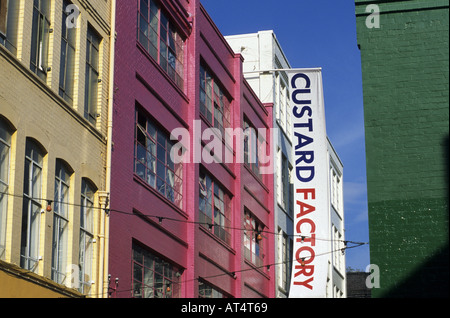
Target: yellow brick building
{"points": [[55, 102]]}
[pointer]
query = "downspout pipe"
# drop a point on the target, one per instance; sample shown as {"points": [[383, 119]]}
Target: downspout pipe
{"points": [[103, 274]]}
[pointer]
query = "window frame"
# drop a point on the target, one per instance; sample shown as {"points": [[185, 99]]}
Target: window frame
{"points": [[31, 212], [285, 260], [251, 148], [5, 147], [206, 290], [86, 248], [215, 106], [254, 249], [67, 57], [92, 75], [218, 215], [8, 38], [60, 221], [150, 156], [160, 37], [336, 190], [169, 275], [40, 38]]}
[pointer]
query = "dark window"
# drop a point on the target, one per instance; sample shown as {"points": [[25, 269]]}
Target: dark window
{"points": [[214, 207], [32, 187], [214, 105], [153, 162], [154, 277], [251, 147], [68, 38], [161, 40], [8, 24], [92, 75], [40, 38], [253, 239]]}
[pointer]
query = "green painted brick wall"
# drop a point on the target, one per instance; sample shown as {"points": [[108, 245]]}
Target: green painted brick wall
{"points": [[405, 66]]}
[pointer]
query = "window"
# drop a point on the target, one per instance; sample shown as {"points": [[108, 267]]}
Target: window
{"points": [[285, 186], [291, 191], [66, 75], [92, 75], [251, 147], [60, 222], [161, 40], [5, 147], [253, 239], [214, 105], [337, 293], [8, 24], [285, 260], [3, 18], [86, 235], [288, 115], [338, 251], [32, 187], [153, 162], [336, 190], [154, 277], [214, 206], [284, 181], [282, 102], [207, 291], [40, 38]]}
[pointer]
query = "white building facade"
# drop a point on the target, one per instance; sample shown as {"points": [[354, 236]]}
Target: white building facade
{"points": [[264, 61]]}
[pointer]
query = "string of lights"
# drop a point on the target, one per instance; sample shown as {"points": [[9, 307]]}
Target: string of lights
{"points": [[160, 219]]}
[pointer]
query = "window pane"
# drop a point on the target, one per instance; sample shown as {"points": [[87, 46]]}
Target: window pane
{"points": [[161, 153], [140, 170], [5, 139], [161, 185], [137, 272], [143, 26], [143, 9], [4, 162], [33, 243]]}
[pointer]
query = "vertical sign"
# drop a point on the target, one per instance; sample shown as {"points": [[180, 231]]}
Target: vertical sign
{"points": [[311, 199]]}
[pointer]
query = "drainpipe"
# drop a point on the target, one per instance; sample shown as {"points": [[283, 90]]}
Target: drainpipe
{"points": [[104, 230]]}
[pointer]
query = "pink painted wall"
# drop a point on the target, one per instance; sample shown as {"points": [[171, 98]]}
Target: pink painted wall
{"points": [[138, 79]]}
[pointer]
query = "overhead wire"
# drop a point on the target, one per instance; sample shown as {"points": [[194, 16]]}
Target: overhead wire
{"points": [[210, 225], [230, 273], [161, 218]]}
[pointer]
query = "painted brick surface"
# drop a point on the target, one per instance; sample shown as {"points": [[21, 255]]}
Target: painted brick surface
{"points": [[405, 81], [35, 110], [190, 246]]}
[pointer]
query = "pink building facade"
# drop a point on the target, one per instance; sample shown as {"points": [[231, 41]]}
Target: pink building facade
{"points": [[190, 229]]}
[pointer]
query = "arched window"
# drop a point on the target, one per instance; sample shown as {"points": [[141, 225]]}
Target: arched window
{"points": [[5, 148], [60, 221], [32, 189], [86, 234]]}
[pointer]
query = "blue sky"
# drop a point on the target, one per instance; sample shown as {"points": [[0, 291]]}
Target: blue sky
{"points": [[319, 33]]}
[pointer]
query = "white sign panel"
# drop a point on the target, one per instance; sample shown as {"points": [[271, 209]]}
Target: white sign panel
{"points": [[311, 199]]}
